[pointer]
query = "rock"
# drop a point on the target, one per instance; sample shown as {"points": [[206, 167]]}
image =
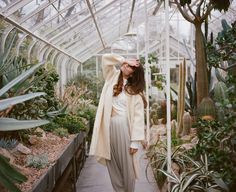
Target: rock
{"points": [[186, 138], [33, 139], [155, 132], [23, 149], [187, 146], [7, 154], [193, 132], [41, 132]]}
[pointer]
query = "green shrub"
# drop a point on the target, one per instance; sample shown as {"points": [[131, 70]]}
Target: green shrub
{"points": [[73, 123], [62, 132]]}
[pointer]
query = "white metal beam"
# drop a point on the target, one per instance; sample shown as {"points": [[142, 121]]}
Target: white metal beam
{"points": [[7, 11], [43, 6], [95, 23], [36, 36], [63, 33]]}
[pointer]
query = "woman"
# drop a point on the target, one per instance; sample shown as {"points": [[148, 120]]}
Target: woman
{"points": [[119, 122]]}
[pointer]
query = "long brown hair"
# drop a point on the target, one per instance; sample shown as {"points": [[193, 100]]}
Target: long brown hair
{"points": [[135, 84]]}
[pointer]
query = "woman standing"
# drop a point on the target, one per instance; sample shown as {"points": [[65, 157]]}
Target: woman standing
{"points": [[119, 122]]}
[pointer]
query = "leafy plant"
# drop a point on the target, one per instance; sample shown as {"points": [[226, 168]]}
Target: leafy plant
{"points": [[37, 161], [216, 140], [73, 123], [8, 104], [198, 178], [157, 155]]}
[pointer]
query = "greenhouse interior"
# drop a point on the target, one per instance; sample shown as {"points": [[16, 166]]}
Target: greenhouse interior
{"points": [[59, 87]]}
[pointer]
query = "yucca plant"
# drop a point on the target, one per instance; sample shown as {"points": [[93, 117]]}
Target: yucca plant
{"points": [[199, 178]]}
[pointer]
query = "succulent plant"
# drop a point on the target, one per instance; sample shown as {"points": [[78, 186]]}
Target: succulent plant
{"points": [[8, 144], [37, 161]]}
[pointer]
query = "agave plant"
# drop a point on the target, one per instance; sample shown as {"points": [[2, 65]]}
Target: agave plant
{"points": [[9, 175], [199, 178], [7, 104]]}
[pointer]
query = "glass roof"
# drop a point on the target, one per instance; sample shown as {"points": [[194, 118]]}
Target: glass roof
{"points": [[82, 28]]}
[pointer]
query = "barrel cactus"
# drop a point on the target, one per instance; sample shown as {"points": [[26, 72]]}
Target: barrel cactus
{"points": [[206, 109]]}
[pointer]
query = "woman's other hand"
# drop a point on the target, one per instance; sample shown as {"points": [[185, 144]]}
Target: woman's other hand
{"points": [[132, 151]]}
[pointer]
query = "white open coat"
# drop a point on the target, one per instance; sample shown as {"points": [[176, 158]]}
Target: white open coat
{"points": [[100, 144]]}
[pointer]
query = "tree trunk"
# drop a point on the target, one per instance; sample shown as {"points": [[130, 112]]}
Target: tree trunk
{"points": [[201, 65]]}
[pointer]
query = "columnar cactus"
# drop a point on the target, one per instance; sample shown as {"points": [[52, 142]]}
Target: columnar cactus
{"points": [[181, 96], [220, 92], [187, 123]]}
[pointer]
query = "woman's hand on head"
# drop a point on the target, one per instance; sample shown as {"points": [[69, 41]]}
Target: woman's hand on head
{"points": [[132, 62]]}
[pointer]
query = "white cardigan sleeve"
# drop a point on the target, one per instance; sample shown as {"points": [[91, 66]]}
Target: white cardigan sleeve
{"points": [[108, 64]]}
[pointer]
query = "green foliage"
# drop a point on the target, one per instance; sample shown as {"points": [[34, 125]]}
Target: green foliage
{"points": [[216, 140], [223, 49], [62, 132], [50, 126], [198, 178], [73, 123], [8, 143], [9, 175], [89, 113], [37, 161], [157, 155], [38, 108]]}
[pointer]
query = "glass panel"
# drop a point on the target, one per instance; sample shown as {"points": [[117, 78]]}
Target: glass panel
{"points": [[27, 9], [71, 16], [41, 16], [51, 26], [7, 3]]}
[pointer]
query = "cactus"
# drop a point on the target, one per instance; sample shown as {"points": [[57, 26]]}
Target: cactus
{"points": [[206, 109], [187, 123], [181, 95], [220, 92], [173, 128]]}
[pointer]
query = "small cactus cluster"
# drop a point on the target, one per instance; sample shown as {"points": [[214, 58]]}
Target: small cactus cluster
{"points": [[8, 144], [37, 161], [158, 111]]}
